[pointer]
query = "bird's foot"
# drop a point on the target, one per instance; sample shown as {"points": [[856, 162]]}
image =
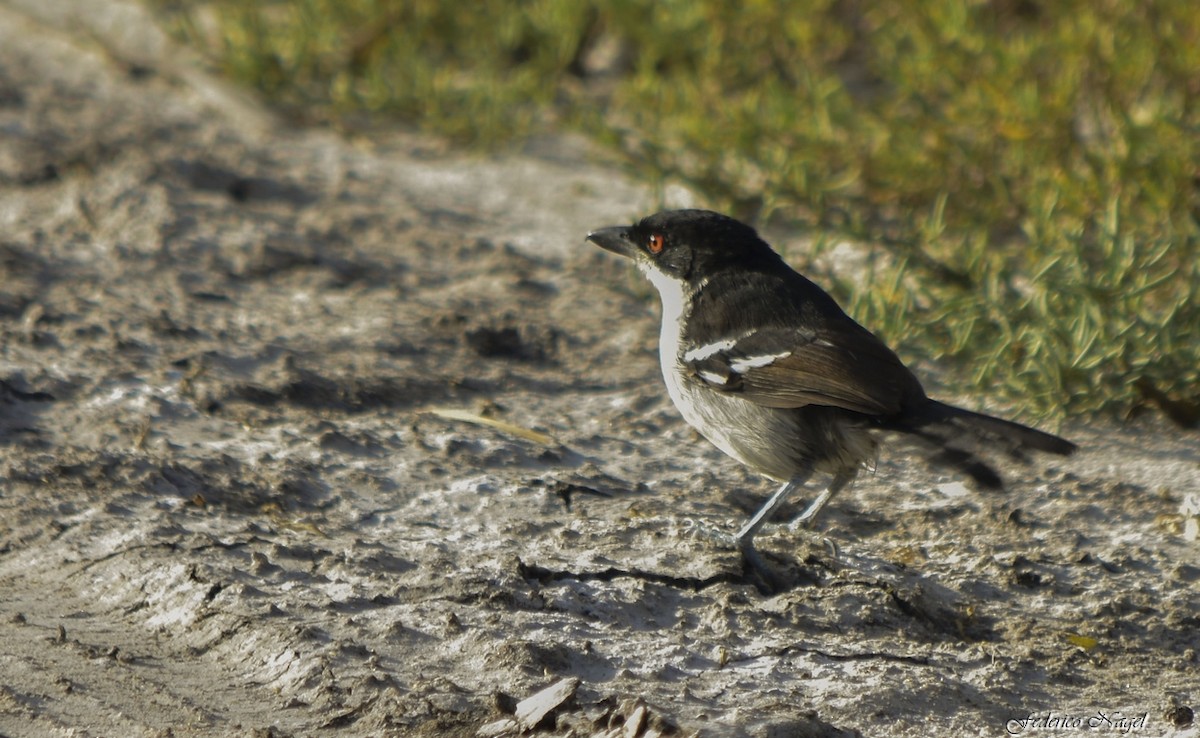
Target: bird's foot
{"points": [[711, 533], [805, 526], [755, 568], [761, 574]]}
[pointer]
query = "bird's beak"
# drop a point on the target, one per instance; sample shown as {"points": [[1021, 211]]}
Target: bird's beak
{"points": [[614, 239]]}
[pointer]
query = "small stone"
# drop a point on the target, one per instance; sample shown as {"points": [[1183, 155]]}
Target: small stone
{"points": [[532, 710]]}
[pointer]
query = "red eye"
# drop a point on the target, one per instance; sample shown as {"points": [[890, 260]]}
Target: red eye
{"points": [[655, 244]]}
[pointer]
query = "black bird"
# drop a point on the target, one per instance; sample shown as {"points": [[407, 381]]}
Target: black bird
{"points": [[766, 366]]}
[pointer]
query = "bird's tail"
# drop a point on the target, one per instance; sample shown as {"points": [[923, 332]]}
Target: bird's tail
{"points": [[957, 437]]}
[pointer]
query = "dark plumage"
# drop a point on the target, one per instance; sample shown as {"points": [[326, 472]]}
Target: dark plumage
{"points": [[768, 367]]}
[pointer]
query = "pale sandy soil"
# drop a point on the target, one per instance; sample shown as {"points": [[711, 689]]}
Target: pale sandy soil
{"points": [[227, 508]]}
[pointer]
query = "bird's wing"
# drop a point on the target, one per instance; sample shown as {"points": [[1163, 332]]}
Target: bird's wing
{"points": [[841, 366]]}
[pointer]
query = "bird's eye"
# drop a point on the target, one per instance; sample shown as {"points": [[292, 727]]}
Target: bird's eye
{"points": [[655, 244]]}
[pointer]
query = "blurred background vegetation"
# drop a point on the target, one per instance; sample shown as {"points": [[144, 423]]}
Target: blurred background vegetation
{"points": [[1030, 169]]}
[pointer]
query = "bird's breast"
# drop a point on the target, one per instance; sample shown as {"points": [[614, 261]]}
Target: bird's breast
{"points": [[777, 442], [765, 439]]}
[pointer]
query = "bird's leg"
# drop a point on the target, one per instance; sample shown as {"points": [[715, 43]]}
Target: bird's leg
{"points": [[745, 537], [769, 581], [839, 482]]}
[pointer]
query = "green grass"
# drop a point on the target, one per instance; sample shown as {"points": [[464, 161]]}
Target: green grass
{"points": [[1028, 171]]}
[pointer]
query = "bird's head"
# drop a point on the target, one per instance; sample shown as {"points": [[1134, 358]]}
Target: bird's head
{"points": [[688, 246]]}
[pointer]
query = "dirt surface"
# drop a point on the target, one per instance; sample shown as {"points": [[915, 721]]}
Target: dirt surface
{"points": [[236, 498]]}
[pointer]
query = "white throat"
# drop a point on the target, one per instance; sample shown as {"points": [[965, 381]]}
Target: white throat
{"points": [[675, 296]]}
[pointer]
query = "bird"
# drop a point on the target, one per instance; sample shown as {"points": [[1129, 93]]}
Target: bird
{"points": [[767, 366]]}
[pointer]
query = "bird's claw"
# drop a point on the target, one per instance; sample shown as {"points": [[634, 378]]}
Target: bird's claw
{"points": [[711, 533], [759, 572]]}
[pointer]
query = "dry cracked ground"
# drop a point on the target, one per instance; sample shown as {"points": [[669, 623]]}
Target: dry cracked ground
{"points": [[302, 436]]}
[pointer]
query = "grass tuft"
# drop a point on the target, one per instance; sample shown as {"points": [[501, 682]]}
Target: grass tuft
{"points": [[1031, 168]]}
